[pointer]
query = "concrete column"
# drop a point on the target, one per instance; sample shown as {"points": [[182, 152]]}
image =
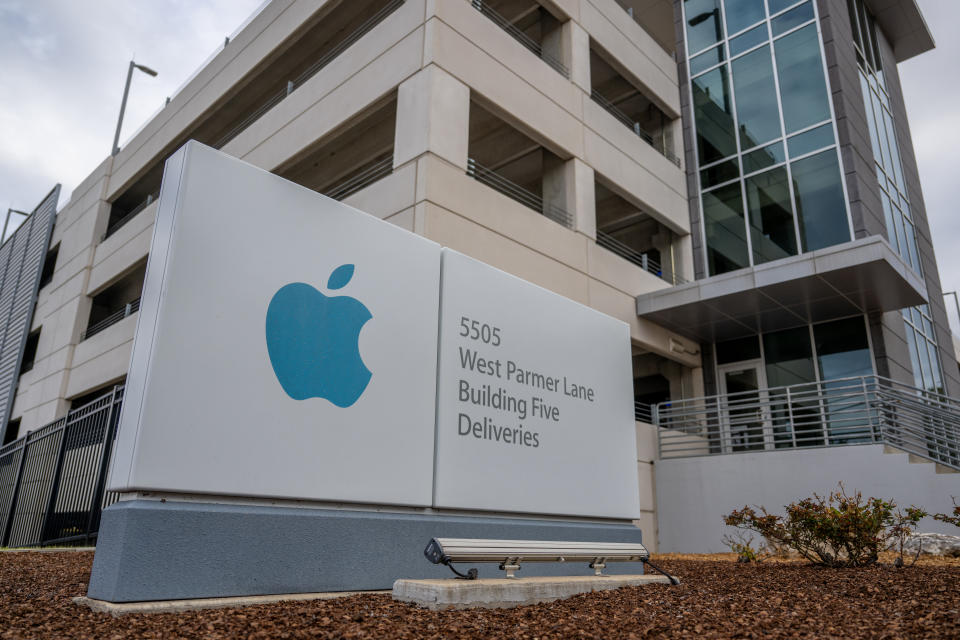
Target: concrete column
{"points": [[570, 44], [433, 114], [569, 185], [683, 256]]}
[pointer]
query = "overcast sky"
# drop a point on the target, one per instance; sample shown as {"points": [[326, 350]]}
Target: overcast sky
{"points": [[63, 65]]}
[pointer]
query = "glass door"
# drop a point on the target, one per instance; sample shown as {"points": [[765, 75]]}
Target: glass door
{"points": [[744, 420]]}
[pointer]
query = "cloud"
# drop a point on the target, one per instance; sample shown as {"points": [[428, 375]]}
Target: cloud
{"points": [[932, 94], [62, 76]]}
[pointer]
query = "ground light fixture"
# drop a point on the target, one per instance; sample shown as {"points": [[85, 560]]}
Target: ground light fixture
{"points": [[510, 553], [123, 103]]}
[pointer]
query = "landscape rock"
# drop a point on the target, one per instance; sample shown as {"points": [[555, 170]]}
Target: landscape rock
{"points": [[936, 544]]}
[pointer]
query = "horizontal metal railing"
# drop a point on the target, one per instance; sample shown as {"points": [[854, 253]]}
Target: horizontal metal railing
{"points": [[869, 409], [642, 412], [642, 260], [366, 176], [514, 191], [656, 142], [130, 215], [520, 37], [128, 309], [311, 71]]}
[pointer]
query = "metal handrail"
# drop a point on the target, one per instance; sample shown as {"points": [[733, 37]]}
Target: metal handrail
{"points": [[311, 71], [641, 259], [361, 179], [847, 411], [113, 228], [520, 37], [515, 192], [642, 412], [128, 309], [633, 125]]}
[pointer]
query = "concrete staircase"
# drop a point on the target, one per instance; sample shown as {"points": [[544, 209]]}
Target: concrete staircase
{"points": [[915, 459]]}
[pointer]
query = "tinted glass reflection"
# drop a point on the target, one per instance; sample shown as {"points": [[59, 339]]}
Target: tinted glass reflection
{"points": [[706, 60], [772, 233], [748, 40], [802, 86], [756, 95], [791, 19], [726, 232], [743, 13], [714, 116], [821, 209], [703, 24]]}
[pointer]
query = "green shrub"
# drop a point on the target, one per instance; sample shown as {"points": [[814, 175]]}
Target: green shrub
{"points": [[841, 531], [950, 519]]}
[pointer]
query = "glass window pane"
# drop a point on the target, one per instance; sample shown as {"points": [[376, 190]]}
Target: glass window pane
{"points": [[726, 231], [854, 27], [756, 95], [703, 24], [914, 358], [802, 86], [888, 218], [788, 357], [706, 60], [738, 350], [779, 5], [936, 382], [791, 19], [871, 120], [812, 140], [748, 40], [714, 116], [821, 208], [763, 158], [911, 242], [772, 233], [743, 13], [719, 173], [842, 349]]}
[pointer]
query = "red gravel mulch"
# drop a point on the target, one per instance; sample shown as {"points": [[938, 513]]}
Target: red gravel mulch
{"points": [[718, 599]]}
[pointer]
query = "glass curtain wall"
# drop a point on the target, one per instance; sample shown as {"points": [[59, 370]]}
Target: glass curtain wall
{"points": [[813, 393], [769, 167], [921, 339]]}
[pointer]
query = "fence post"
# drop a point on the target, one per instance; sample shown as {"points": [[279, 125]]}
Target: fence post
{"points": [[5, 539], [55, 485], [108, 434]]}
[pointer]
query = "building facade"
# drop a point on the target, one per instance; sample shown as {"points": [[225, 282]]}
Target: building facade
{"points": [[734, 179]]}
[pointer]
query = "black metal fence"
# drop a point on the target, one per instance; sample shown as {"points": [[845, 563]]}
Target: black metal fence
{"points": [[52, 480]]}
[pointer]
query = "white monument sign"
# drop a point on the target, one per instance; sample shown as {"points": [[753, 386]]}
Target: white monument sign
{"points": [[535, 400], [286, 345]]}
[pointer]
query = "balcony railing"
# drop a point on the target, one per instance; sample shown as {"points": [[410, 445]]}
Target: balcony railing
{"points": [[642, 260], [115, 226], [311, 71], [366, 176], [656, 142], [128, 309], [520, 37], [527, 198], [642, 412], [850, 411]]}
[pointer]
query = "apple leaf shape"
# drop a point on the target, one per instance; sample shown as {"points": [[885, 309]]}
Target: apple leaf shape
{"points": [[340, 276], [313, 344]]}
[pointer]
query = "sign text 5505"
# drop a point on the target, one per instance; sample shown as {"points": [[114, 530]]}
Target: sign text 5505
{"points": [[476, 330]]}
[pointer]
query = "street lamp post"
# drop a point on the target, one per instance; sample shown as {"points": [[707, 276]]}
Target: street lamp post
{"points": [[123, 103]]}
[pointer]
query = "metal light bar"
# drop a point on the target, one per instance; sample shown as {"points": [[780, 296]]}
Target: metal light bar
{"points": [[510, 553]]}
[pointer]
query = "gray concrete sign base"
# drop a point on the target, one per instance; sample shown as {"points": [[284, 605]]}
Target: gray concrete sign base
{"points": [[502, 593], [117, 609], [150, 550]]}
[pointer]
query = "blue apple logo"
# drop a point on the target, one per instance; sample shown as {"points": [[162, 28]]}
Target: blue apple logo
{"points": [[313, 341]]}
